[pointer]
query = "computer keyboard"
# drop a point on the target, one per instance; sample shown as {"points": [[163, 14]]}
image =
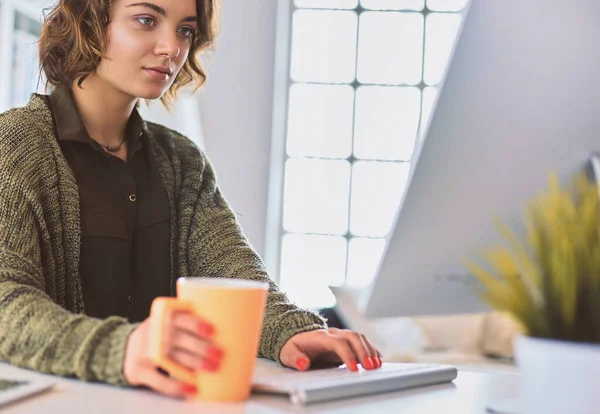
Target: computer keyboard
{"points": [[293, 378], [326, 384]]}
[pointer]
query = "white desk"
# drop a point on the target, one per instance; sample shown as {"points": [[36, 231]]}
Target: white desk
{"points": [[468, 394]]}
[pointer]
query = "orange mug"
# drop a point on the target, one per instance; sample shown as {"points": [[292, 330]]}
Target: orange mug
{"points": [[235, 307]]}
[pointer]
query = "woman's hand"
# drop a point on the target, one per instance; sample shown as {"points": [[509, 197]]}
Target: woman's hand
{"points": [[329, 347], [188, 344]]}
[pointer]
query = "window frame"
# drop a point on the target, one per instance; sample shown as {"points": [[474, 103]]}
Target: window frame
{"points": [[278, 157]]}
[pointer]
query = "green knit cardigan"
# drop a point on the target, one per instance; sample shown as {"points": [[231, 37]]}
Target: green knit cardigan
{"points": [[43, 325]]}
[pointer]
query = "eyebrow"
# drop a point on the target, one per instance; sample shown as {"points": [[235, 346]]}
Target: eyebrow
{"points": [[161, 11]]}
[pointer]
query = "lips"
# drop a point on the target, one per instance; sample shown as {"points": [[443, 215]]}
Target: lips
{"points": [[159, 73], [161, 69]]}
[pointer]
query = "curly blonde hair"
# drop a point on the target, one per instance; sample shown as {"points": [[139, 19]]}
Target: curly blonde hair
{"points": [[74, 40]]}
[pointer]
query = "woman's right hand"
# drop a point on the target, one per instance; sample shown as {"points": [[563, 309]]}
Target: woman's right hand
{"points": [[188, 344]]}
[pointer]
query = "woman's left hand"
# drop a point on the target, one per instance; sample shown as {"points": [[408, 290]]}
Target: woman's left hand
{"points": [[329, 347]]}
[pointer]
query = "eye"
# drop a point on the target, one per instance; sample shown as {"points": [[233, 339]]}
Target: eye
{"points": [[146, 21], [187, 32]]}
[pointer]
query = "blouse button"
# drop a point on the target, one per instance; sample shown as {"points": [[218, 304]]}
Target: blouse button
{"points": [[129, 298], [132, 197]]}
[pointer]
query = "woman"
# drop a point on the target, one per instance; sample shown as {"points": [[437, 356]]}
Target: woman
{"points": [[100, 212]]}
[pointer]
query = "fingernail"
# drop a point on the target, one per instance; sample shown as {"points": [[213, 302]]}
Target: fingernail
{"points": [[209, 365], [367, 363], [205, 329], [214, 352], [380, 362], [352, 365], [302, 363], [189, 389]]}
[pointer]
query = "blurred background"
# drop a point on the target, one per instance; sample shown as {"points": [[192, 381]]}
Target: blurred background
{"points": [[310, 116]]}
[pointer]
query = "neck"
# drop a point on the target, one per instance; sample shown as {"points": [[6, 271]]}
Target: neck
{"points": [[104, 110]]}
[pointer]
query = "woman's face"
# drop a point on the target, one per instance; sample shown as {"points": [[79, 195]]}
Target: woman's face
{"points": [[148, 44]]}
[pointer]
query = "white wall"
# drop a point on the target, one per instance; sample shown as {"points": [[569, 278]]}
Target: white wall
{"points": [[236, 106], [184, 116]]}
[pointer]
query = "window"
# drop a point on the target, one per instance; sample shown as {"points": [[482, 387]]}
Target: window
{"points": [[360, 78], [20, 25]]}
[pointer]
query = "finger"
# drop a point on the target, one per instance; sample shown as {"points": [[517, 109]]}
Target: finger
{"points": [[194, 345], [360, 349], [372, 350], [295, 358], [181, 331], [165, 385], [192, 324], [341, 346], [194, 362], [376, 362], [375, 354]]}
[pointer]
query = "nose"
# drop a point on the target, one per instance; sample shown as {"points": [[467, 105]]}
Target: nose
{"points": [[168, 46]]}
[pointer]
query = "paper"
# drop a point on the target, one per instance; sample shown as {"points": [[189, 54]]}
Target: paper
{"points": [[505, 406]]}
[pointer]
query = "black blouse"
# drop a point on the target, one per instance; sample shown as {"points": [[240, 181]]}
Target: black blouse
{"points": [[125, 251]]}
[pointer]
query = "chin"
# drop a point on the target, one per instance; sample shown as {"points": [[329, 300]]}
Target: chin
{"points": [[151, 95], [148, 93]]}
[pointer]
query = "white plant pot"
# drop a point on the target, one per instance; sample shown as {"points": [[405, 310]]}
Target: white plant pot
{"points": [[557, 376]]}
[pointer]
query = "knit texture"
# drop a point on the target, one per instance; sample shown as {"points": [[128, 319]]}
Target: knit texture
{"points": [[42, 315]]}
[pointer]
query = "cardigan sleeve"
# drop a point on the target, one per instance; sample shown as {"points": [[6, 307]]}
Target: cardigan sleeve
{"points": [[216, 246], [35, 332]]}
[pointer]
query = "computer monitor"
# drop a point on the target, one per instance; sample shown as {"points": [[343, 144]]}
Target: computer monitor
{"points": [[521, 98]]}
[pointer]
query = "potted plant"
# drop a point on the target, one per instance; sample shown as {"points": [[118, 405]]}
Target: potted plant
{"points": [[547, 278]]}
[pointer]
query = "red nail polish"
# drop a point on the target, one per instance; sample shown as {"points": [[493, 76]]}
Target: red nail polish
{"points": [[205, 329], [189, 389], [380, 362], [352, 365], [209, 365], [214, 352], [367, 363], [302, 363]]}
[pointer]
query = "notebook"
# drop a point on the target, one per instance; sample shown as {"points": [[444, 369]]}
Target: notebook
{"points": [[322, 385], [12, 390]]}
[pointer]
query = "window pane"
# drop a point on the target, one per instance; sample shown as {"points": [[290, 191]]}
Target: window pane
{"points": [[309, 264], [429, 95], [377, 188], [25, 76], [440, 34], [393, 4], [320, 121], [390, 48], [324, 46], [387, 119], [315, 196], [363, 258], [326, 4], [446, 5]]}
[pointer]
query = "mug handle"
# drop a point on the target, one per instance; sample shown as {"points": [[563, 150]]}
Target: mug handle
{"points": [[162, 308]]}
